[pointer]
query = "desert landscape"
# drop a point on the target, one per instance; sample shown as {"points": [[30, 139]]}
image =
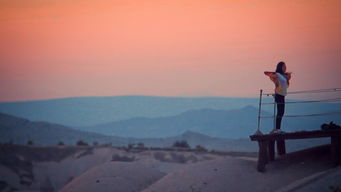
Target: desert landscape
{"points": [[133, 169], [170, 96], [39, 156]]}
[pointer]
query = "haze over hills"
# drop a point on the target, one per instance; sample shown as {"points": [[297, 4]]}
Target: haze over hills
{"points": [[92, 111], [88, 111], [233, 124], [20, 131], [238, 123]]}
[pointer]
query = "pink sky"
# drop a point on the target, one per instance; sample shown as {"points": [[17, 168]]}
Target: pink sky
{"points": [[67, 48]]}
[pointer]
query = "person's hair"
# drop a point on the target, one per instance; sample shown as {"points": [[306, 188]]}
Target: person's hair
{"points": [[279, 68]]}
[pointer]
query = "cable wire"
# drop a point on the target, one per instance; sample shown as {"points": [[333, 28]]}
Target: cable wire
{"points": [[309, 91], [316, 91], [312, 101], [306, 115], [298, 102]]}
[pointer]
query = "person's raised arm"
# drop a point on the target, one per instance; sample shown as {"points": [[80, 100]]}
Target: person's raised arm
{"points": [[268, 73], [288, 74], [272, 75]]}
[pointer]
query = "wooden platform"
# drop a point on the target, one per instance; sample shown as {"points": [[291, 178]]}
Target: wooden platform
{"points": [[267, 144]]}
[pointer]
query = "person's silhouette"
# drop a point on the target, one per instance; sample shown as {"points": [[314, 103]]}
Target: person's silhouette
{"points": [[281, 80]]}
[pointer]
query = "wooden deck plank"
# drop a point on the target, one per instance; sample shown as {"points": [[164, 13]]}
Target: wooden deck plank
{"points": [[267, 144], [297, 135]]}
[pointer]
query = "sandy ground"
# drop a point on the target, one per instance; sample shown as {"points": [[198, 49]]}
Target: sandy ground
{"points": [[59, 173], [232, 174], [308, 171], [110, 169], [114, 176], [328, 179], [132, 176]]}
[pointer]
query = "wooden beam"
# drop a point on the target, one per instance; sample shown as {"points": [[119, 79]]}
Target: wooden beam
{"points": [[267, 142], [335, 149], [271, 148], [262, 156], [281, 147], [297, 135]]}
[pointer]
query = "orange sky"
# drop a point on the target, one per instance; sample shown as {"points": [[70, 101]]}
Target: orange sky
{"points": [[67, 48]]}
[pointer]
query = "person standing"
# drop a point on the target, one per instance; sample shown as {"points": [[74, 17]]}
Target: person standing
{"points": [[281, 80]]}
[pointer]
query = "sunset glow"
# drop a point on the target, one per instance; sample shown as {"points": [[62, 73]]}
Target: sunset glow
{"points": [[68, 48]]}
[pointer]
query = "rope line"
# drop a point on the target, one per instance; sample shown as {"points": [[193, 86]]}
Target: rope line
{"points": [[312, 101], [316, 91], [306, 115], [309, 91], [332, 100]]}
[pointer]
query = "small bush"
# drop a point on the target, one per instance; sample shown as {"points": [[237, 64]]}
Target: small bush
{"points": [[30, 142], [140, 145], [95, 143], [106, 145], [181, 144], [131, 145], [117, 157], [60, 143], [82, 143], [200, 148]]}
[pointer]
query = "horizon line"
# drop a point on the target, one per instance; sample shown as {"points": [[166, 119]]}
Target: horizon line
{"points": [[137, 95]]}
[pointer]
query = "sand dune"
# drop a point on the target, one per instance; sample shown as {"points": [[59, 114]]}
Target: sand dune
{"points": [[239, 174], [146, 168], [114, 176], [102, 169], [294, 172], [56, 174]]}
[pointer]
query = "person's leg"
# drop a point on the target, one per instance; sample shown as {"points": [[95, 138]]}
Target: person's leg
{"points": [[280, 110]]}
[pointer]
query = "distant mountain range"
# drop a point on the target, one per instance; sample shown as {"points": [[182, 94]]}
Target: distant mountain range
{"points": [[163, 117], [238, 123], [89, 111], [233, 124], [20, 131]]}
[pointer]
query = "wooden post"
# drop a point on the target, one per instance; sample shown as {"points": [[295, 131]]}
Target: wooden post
{"points": [[335, 149], [271, 150], [281, 147], [259, 108], [266, 146], [262, 155]]}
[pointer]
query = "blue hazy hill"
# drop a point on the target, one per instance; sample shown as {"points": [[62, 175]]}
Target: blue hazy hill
{"points": [[87, 111], [90, 111], [155, 117], [19, 131], [234, 124], [237, 123]]}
